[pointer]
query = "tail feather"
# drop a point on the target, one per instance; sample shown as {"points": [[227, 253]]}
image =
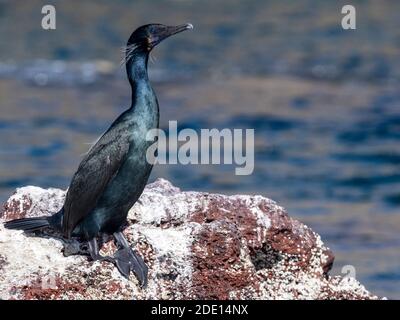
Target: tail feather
{"points": [[28, 224]]}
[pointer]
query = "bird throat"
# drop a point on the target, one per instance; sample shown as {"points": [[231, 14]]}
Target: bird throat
{"points": [[136, 69]]}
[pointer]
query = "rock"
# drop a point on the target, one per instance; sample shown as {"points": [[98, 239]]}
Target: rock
{"points": [[197, 246]]}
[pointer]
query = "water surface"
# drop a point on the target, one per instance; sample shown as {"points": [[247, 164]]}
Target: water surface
{"points": [[324, 104]]}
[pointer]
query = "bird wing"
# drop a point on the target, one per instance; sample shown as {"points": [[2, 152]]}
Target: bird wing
{"points": [[95, 171]]}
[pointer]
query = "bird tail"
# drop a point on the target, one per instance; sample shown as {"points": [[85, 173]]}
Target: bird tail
{"points": [[28, 224]]}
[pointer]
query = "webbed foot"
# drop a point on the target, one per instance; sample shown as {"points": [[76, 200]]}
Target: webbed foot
{"points": [[71, 248], [128, 260]]}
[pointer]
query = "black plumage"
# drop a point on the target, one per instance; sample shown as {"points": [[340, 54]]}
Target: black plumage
{"points": [[112, 175]]}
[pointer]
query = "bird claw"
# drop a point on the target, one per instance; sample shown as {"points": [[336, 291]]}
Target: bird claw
{"points": [[128, 260], [104, 258]]}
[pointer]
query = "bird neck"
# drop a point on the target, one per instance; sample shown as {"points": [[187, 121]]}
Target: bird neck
{"points": [[136, 68]]}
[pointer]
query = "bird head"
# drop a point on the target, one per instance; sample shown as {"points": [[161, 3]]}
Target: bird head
{"points": [[146, 37]]}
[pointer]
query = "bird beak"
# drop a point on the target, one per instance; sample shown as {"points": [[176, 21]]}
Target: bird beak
{"points": [[169, 31], [180, 28]]}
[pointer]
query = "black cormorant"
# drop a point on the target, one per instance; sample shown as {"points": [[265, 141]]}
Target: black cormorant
{"points": [[112, 175]]}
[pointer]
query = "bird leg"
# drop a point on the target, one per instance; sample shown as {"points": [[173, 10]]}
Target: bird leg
{"points": [[128, 260], [94, 252]]}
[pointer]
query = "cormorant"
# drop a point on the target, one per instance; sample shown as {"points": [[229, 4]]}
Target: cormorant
{"points": [[112, 175]]}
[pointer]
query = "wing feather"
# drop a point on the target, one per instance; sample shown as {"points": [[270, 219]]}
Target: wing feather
{"points": [[95, 171]]}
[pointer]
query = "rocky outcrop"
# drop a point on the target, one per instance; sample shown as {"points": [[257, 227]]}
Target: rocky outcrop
{"points": [[197, 246]]}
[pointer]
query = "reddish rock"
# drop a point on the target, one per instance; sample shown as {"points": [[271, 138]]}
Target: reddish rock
{"points": [[197, 246]]}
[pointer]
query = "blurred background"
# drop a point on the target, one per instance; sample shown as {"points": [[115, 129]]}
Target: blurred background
{"points": [[324, 103]]}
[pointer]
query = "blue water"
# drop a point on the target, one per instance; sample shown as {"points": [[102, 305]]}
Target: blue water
{"points": [[324, 104]]}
